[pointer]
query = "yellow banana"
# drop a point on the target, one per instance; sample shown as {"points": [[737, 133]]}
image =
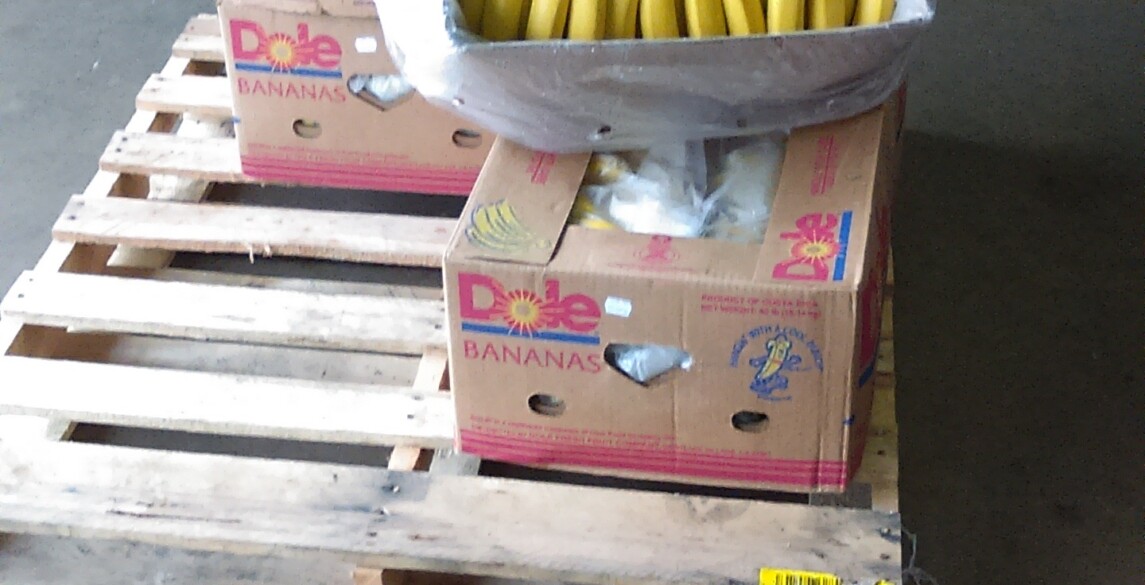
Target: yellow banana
{"points": [[501, 20], [658, 19], [547, 20], [585, 214], [745, 17], [706, 18], [784, 15], [825, 14], [850, 6], [605, 169], [526, 8], [473, 9], [873, 11], [622, 19], [587, 20], [802, 24]]}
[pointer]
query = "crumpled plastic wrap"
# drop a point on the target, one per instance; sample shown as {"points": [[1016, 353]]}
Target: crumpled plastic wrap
{"points": [[562, 96], [658, 192], [744, 189], [721, 189], [646, 362]]}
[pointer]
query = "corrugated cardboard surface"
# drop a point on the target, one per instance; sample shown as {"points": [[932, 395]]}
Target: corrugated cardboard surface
{"points": [[289, 64], [787, 329]]}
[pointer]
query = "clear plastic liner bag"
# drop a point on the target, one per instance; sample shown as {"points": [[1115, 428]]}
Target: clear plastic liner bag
{"points": [[644, 363], [660, 192], [665, 190], [745, 186], [609, 96]]}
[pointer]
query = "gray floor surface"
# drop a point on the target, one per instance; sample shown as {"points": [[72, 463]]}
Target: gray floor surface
{"points": [[1020, 303]]}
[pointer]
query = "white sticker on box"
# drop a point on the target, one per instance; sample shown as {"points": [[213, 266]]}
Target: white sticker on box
{"points": [[618, 306], [366, 44]]}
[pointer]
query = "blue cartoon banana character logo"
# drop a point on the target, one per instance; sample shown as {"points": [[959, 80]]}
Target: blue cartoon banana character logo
{"points": [[780, 357], [770, 367]]}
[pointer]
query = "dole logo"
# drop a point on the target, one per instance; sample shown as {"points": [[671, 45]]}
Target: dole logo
{"points": [[818, 250], [256, 50], [487, 307]]}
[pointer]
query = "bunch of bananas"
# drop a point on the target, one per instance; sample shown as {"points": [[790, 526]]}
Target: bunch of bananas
{"points": [[591, 20]]}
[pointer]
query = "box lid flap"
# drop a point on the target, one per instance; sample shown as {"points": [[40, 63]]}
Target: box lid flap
{"points": [[520, 205], [348, 8], [823, 204]]}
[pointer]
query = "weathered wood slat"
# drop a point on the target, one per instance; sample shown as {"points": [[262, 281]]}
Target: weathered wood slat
{"points": [[207, 159], [200, 48], [201, 40], [14, 336], [225, 403], [309, 285], [376, 517], [244, 359], [205, 24], [227, 313], [187, 94], [169, 188], [258, 231]]}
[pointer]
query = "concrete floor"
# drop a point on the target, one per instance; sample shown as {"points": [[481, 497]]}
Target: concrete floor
{"points": [[1018, 251]]}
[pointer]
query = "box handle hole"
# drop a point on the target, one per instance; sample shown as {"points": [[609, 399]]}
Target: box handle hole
{"points": [[546, 404], [307, 128], [467, 138], [645, 363], [750, 421]]}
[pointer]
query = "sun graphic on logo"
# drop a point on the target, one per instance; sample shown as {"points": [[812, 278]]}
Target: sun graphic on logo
{"points": [[816, 250], [281, 51], [524, 311]]}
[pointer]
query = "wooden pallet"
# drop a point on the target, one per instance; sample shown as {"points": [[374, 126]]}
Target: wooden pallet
{"points": [[230, 353]]}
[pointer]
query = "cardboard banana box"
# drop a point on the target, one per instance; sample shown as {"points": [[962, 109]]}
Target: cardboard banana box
{"points": [[319, 102], [782, 337]]}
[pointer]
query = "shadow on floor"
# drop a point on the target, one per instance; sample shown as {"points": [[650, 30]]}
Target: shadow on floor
{"points": [[1019, 326]]}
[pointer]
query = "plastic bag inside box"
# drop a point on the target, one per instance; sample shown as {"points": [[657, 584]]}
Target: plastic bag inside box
{"points": [[562, 96]]}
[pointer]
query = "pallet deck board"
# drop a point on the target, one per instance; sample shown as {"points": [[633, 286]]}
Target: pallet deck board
{"points": [[257, 231], [187, 94], [228, 313], [201, 40], [226, 403], [236, 358], [309, 285], [152, 153], [474, 525]]}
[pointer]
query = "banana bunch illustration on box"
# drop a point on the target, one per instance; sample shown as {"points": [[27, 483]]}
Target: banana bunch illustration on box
{"points": [[495, 226], [593, 20]]}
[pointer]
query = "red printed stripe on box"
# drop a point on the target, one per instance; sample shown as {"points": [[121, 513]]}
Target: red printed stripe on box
{"points": [[360, 177], [674, 461]]}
